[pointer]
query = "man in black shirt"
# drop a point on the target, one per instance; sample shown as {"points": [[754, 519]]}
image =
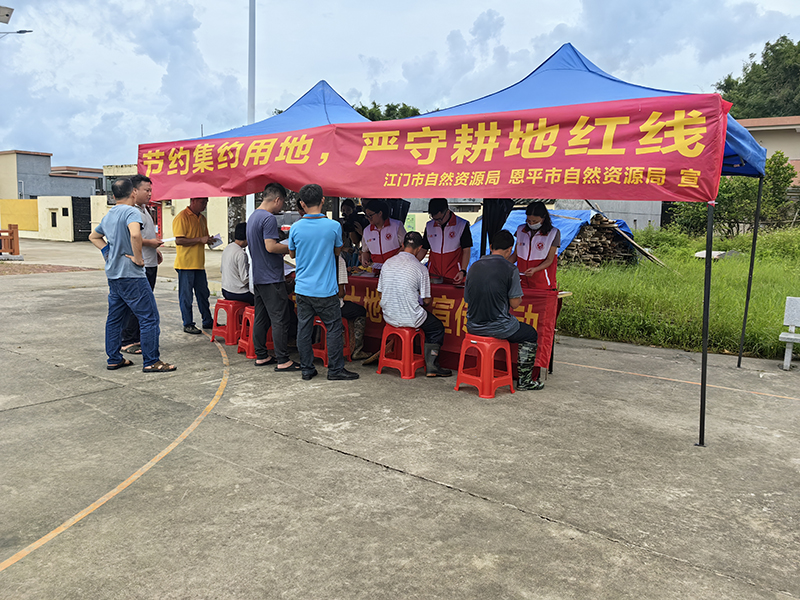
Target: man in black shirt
{"points": [[493, 288]]}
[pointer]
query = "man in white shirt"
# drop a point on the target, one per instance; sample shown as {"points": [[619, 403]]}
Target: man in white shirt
{"points": [[402, 284], [235, 268]]}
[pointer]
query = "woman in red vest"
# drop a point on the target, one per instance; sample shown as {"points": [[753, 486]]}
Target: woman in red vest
{"points": [[537, 243], [384, 236]]}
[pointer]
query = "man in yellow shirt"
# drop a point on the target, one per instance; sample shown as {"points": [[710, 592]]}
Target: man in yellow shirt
{"points": [[191, 236]]}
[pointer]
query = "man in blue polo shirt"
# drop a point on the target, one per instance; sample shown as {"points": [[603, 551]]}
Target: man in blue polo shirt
{"points": [[315, 243], [128, 288]]}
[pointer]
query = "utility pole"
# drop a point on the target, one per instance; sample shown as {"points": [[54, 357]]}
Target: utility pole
{"points": [[250, 201]]}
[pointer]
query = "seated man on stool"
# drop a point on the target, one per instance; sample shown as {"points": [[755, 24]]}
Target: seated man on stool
{"points": [[235, 268], [403, 282], [493, 289]]}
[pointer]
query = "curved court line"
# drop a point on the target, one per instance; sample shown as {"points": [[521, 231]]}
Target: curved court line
{"points": [[130, 480], [718, 387]]}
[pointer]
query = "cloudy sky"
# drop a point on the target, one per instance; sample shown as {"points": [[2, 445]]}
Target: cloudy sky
{"points": [[98, 77]]}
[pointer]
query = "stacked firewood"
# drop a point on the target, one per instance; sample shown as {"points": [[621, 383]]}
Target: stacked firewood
{"points": [[598, 243]]}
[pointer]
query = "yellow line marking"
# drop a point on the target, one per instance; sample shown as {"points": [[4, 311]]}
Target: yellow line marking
{"points": [[130, 480], [718, 387]]}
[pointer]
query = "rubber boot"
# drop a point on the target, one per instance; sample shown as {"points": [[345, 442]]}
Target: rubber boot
{"points": [[357, 339], [374, 358], [432, 368], [527, 356]]}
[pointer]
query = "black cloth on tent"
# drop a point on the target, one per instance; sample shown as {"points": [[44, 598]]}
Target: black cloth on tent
{"points": [[495, 213], [398, 208]]}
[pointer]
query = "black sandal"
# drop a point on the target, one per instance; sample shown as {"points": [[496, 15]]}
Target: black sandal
{"points": [[125, 363]]}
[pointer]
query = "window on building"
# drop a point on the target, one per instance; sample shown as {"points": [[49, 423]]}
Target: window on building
{"points": [[65, 212], [20, 189], [53, 218]]}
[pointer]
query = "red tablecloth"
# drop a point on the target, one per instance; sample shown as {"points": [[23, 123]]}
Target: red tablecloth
{"points": [[538, 309]]}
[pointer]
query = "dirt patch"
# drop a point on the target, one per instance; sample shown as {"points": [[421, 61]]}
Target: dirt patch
{"points": [[22, 268]]}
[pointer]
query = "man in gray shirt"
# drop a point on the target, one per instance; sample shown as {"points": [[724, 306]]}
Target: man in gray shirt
{"points": [[493, 288], [272, 304], [142, 191]]}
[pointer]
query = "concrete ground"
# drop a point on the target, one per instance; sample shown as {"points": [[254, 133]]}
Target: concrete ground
{"points": [[222, 480]]}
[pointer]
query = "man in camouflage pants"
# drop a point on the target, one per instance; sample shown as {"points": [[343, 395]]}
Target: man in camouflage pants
{"points": [[493, 287]]}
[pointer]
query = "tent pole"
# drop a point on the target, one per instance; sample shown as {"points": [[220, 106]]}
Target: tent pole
{"points": [[752, 264], [706, 303], [483, 230]]}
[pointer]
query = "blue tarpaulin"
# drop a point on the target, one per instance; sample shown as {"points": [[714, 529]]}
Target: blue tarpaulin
{"points": [[568, 78], [568, 222]]}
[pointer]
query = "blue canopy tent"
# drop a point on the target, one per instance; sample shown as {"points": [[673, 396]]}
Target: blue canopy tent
{"points": [[568, 78], [319, 106]]}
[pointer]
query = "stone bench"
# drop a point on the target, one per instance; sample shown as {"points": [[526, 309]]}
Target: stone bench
{"points": [[791, 319]]}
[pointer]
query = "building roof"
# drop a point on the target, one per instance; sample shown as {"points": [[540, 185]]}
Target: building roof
{"points": [[74, 170], [25, 152], [771, 123]]}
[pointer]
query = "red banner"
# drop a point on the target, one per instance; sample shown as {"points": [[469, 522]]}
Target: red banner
{"points": [[665, 148], [538, 309]]}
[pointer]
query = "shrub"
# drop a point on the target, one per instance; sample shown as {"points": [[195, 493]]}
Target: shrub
{"points": [[661, 238], [780, 244]]}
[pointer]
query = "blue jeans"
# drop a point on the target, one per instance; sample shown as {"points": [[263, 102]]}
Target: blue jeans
{"points": [[132, 294], [194, 280], [130, 333], [327, 309]]}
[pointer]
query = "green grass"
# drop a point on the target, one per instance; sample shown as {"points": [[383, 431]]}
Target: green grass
{"points": [[651, 305]]}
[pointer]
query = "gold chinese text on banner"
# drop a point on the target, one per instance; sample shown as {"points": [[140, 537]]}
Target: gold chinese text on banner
{"points": [[665, 148]]}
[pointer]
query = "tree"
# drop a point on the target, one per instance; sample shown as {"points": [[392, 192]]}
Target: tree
{"points": [[736, 202], [780, 174], [391, 111], [770, 88]]}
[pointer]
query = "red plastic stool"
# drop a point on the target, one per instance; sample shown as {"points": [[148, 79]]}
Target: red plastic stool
{"points": [[232, 328], [321, 347], [403, 357], [246, 343], [483, 375]]}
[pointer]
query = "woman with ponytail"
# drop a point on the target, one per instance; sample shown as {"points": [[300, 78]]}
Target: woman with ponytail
{"points": [[537, 243]]}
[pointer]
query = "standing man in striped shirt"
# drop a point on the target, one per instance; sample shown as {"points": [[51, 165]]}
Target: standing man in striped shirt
{"points": [[403, 283]]}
